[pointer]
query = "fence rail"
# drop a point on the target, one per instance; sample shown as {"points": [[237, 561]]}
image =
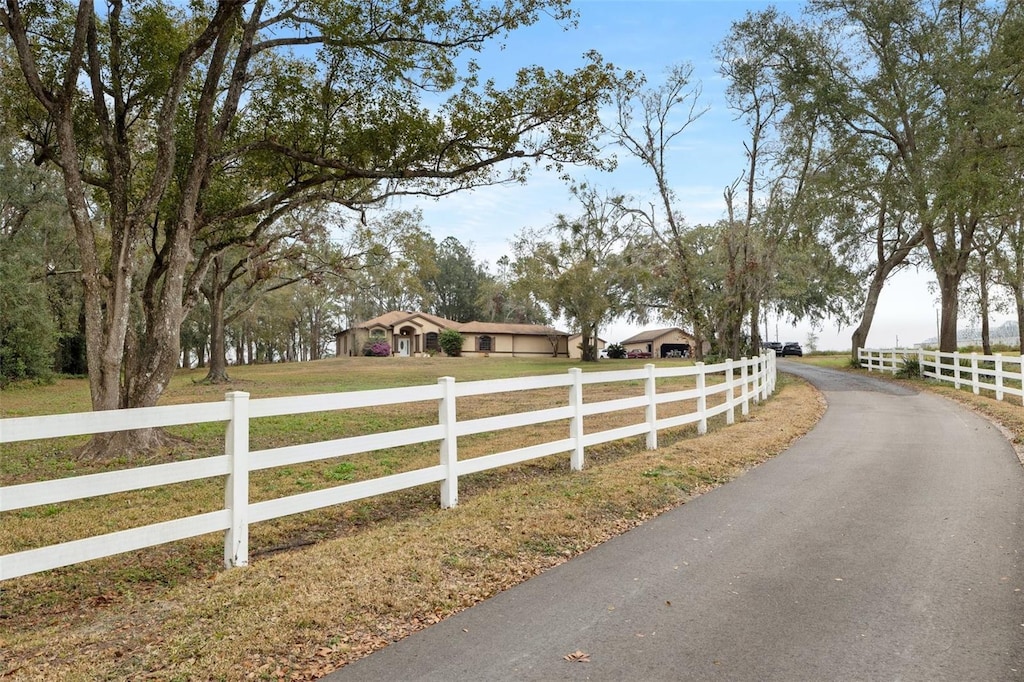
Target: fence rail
{"points": [[739, 382], [978, 372]]}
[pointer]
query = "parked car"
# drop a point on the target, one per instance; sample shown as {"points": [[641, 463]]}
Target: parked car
{"points": [[774, 345], [637, 354], [792, 348]]}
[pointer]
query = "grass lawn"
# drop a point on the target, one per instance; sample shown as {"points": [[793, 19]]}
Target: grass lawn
{"points": [[332, 585]]}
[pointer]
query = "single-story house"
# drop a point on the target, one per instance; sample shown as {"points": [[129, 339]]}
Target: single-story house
{"points": [[416, 333], [576, 340], [662, 343]]}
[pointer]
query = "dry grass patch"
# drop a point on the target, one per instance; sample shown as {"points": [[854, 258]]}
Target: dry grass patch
{"points": [[299, 614]]}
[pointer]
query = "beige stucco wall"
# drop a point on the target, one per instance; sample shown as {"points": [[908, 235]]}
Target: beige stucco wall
{"points": [[515, 345]]}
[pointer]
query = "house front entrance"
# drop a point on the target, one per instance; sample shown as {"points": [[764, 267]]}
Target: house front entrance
{"points": [[404, 346]]}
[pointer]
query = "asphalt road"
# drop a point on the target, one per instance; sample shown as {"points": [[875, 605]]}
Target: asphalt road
{"points": [[884, 545]]}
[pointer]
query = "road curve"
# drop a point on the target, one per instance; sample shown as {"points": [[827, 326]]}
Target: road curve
{"points": [[884, 545]]}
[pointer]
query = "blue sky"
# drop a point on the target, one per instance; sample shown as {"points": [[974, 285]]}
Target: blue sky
{"points": [[650, 36]]}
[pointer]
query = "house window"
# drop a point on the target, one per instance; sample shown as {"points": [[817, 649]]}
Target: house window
{"points": [[431, 341], [484, 343]]}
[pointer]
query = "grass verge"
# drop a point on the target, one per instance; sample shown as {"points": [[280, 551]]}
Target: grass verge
{"points": [[371, 573]]}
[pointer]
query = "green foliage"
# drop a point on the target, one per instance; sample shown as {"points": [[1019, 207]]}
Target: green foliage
{"points": [[616, 351], [580, 268], [910, 368], [37, 302], [451, 342], [393, 259], [456, 283], [27, 334]]}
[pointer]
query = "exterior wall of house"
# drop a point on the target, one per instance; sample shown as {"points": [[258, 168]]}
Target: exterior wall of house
{"points": [[516, 345]]}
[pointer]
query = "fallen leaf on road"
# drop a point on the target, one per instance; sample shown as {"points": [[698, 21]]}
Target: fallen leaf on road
{"points": [[577, 657]]}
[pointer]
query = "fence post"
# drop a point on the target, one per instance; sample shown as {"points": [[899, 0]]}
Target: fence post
{"points": [[730, 395], [974, 374], [236, 489], [651, 411], [956, 370], [449, 443], [920, 362], [745, 382], [576, 422], [1020, 369], [702, 399], [758, 366], [766, 377], [999, 376]]}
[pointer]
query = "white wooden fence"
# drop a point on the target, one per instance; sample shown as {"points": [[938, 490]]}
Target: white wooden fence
{"points": [[739, 383], [979, 372]]}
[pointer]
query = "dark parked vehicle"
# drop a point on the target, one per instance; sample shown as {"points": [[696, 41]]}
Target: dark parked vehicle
{"points": [[635, 354], [792, 348], [774, 345]]}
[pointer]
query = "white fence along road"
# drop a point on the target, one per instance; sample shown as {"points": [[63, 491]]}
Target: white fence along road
{"points": [[980, 372], [738, 383]]}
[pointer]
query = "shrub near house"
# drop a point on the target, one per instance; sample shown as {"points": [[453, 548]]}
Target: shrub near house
{"points": [[379, 349], [451, 342]]}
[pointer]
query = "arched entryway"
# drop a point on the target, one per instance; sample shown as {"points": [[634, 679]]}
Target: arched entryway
{"points": [[405, 339]]}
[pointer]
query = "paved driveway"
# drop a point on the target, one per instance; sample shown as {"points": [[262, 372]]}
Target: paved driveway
{"points": [[884, 545]]}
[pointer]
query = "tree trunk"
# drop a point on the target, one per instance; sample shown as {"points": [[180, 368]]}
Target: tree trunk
{"points": [[218, 373], [314, 335], [1018, 299], [860, 334], [986, 337], [240, 348], [755, 327], [950, 295]]}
